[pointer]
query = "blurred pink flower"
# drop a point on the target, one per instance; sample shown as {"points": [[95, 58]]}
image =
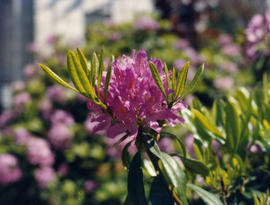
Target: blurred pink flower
{"points": [[166, 145], [63, 170], [22, 135], [46, 107], [189, 140], [231, 50], [60, 135], [225, 39], [6, 117], [39, 152], [31, 71], [21, 99], [44, 175], [182, 44], [9, 170], [56, 93], [90, 185], [61, 116], [224, 83], [146, 23]]}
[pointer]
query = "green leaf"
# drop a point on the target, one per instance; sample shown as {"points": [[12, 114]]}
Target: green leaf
{"points": [[265, 89], [56, 78], [94, 69], [207, 197], [136, 193], [232, 127], [125, 155], [83, 61], [194, 83], [197, 152], [167, 75], [159, 194], [100, 70], [76, 69], [194, 165], [73, 73], [173, 79], [174, 175], [206, 123], [157, 78], [182, 77], [108, 78]]}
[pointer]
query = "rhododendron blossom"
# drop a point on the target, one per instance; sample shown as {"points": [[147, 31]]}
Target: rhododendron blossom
{"points": [[134, 99]]}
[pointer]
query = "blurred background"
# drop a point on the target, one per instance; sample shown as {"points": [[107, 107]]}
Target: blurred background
{"points": [[49, 151], [26, 24]]}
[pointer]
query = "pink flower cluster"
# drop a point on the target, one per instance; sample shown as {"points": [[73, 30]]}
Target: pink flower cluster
{"points": [[134, 99], [39, 152], [146, 23], [9, 170], [44, 175], [258, 32], [60, 134]]}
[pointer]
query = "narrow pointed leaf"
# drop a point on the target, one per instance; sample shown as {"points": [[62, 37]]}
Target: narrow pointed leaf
{"points": [[206, 123], [182, 77], [82, 75], [207, 197], [94, 68], [100, 70], [232, 127], [173, 79], [73, 73], [167, 76], [83, 61], [56, 78], [136, 191], [157, 78], [194, 165], [265, 88], [107, 81], [194, 83]]}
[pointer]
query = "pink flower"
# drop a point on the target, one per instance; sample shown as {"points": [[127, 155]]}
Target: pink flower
{"points": [[224, 83], [30, 71], [146, 23], [166, 145], [44, 175], [182, 44], [9, 170], [21, 99], [57, 93], [22, 135], [39, 152], [60, 136], [231, 50], [61, 116], [63, 170], [90, 185], [6, 117], [134, 99], [46, 107], [189, 140]]}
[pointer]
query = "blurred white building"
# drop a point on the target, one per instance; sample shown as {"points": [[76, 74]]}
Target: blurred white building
{"points": [[68, 18], [26, 21]]}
